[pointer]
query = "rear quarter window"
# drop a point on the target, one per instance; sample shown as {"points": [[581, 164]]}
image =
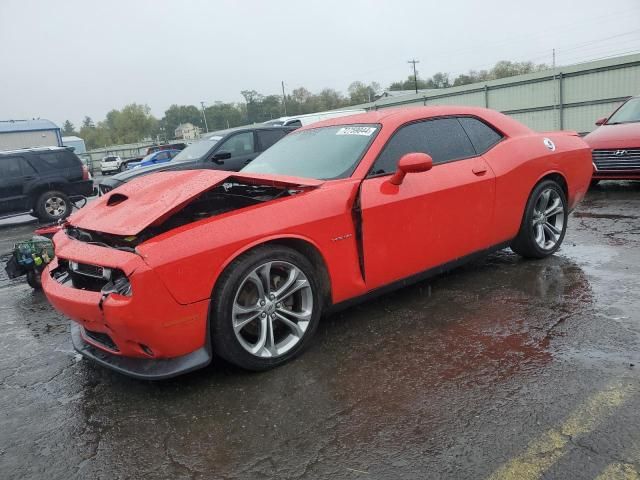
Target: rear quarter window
{"points": [[482, 136], [56, 160]]}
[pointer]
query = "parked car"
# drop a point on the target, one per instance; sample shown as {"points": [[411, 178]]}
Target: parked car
{"points": [[168, 269], [309, 118], [168, 146], [111, 164], [616, 144], [156, 158], [43, 181], [229, 149]]}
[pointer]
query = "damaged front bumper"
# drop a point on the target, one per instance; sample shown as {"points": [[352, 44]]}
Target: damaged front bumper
{"points": [[146, 334], [140, 368]]}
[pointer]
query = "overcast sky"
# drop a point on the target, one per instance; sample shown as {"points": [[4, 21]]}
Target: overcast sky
{"points": [[66, 59]]}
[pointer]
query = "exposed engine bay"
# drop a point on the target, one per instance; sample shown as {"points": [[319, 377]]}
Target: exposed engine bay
{"points": [[221, 199]]}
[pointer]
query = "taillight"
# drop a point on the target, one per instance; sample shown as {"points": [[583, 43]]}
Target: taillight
{"points": [[85, 173]]}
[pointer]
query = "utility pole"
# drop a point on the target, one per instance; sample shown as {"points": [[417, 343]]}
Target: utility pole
{"points": [[415, 73], [284, 100], [205, 118]]}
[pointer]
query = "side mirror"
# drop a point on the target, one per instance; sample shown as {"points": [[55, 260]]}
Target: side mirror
{"points": [[411, 163], [601, 121], [220, 156]]}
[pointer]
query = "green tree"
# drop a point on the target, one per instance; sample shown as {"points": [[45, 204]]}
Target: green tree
{"points": [[68, 129], [177, 114], [225, 115], [132, 124]]}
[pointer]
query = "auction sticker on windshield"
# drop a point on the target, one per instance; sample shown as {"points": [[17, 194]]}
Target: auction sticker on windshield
{"points": [[366, 131]]}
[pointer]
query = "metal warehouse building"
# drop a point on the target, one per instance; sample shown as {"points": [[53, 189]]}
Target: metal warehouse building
{"points": [[568, 98], [16, 134]]}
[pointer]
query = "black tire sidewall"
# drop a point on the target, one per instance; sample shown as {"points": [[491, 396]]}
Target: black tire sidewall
{"points": [[40, 209], [224, 341], [525, 242], [33, 279]]}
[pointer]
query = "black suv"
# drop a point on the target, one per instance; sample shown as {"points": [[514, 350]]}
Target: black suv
{"points": [[41, 181], [229, 149]]}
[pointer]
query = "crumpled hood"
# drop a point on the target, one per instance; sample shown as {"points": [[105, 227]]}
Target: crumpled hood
{"points": [[150, 199], [625, 135]]}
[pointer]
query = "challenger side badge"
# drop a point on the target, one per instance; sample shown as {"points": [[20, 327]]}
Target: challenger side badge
{"points": [[549, 144]]}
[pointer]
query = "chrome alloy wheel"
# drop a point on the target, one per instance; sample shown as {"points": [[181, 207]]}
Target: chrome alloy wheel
{"points": [[548, 219], [55, 206], [272, 309]]}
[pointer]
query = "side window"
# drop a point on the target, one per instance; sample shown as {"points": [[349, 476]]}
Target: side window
{"points": [[240, 144], [294, 123], [10, 167], [162, 156], [57, 160], [482, 135], [443, 139], [269, 137], [27, 169]]}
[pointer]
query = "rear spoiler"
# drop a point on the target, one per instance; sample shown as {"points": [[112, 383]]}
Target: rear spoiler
{"points": [[568, 133]]}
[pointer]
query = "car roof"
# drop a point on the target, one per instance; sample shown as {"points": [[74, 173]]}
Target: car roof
{"points": [[394, 117], [33, 150], [258, 126]]}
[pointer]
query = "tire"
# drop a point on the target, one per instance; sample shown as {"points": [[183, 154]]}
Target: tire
{"points": [[122, 168], [52, 206], [541, 235], [241, 299], [594, 183], [33, 279]]}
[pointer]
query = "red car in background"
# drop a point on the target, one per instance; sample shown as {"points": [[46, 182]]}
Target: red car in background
{"points": [[165, 270], [616, 144]]}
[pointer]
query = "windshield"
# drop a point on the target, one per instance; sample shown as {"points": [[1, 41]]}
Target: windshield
{"points": [[627, 113], [322, 153], [197, 150]]}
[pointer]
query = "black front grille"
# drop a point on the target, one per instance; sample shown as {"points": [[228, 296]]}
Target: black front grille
{"points": [[620, 159], [102, 339]]}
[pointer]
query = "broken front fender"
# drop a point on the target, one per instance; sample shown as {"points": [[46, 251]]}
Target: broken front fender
{"points": [[148, 323]]}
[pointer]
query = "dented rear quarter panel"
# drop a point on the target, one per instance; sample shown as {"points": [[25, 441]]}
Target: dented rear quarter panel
{"points": [[190, 258]]}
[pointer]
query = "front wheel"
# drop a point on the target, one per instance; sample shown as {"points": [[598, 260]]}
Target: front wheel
{"points": [[545, 222], [266, 308]]}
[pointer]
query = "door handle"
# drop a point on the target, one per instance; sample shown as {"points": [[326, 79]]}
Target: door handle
{"points": [[479, 170]]}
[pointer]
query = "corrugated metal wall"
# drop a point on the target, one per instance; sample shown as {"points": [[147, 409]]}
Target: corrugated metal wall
{"points": [[17, 140], [569, 98]]}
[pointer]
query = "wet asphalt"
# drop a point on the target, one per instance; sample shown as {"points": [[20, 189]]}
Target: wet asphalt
{"points": [[504, 368]]}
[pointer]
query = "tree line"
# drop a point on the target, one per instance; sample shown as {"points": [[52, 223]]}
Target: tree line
{"points": [[134, 122]]}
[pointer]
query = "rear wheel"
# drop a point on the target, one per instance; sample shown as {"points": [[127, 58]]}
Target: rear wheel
{"points": [[545, 222], [594, 183], [52, 206], [266, 308]]}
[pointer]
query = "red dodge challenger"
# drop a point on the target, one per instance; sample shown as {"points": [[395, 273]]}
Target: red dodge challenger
{"points": [[166, 270]]}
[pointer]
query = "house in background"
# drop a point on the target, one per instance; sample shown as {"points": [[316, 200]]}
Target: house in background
{"points": [[16, 134], [187, 131]]}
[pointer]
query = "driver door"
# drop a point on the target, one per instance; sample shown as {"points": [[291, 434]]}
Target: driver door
{"points": [[433, 217]]}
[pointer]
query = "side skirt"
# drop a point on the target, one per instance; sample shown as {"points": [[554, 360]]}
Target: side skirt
{"points": [[418, 277]]}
